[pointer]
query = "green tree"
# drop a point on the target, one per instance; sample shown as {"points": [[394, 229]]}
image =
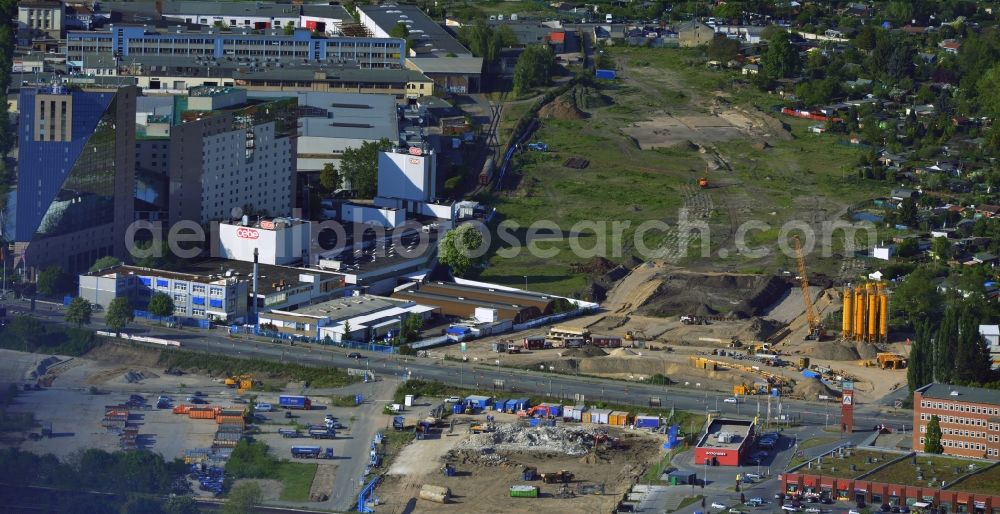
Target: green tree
{"points": [[399, 31], [51, 280], [412, 326], [329, 178], [932, 440], [722, 49], [104, 263], [359, 166], [161, 304], [941, 248], [141, 505], [79, 312], [119, 314], [781, 58], [972, 355], [533, 68], [347, 331], [920, 366], [988, 88], [289, 28], [243, 498], [944, 345], [181, 505], [461, 249], [917, 297]]}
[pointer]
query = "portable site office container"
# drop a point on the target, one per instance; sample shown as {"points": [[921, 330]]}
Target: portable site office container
{"points": [[597, 416], [517, 404], [574, 412], [644, 421], [478, 402], [606, 341], [551, 409], [618, 418]]}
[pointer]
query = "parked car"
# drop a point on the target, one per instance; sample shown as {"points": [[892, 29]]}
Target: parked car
{"points": [[731, 399], [853, 511], [717, 505], [354, 355], [263, 407], [813, 510], [752, 476], [884, 507], [790, 508], [904, 509], [755, 502], [452, 399]]}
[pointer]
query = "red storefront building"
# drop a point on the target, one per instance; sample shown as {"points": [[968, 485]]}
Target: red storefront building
{"points": [[725, 443]]}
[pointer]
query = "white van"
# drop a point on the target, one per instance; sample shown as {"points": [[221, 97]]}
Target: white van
{"points": [[262, 407], [607, 18]]}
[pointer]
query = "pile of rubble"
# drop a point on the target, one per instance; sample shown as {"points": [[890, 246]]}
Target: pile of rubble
{"points": [[513, 438]]}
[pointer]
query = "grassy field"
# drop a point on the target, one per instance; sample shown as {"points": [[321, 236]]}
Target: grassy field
{"points": [[940, 468], [834, 466], [805, 177], [987, 482], [296, 480]]}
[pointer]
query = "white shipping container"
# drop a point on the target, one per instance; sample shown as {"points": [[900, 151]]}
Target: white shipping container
{"points": [[486, 315]]}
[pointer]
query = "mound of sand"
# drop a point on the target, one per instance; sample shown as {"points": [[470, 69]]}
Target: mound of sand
{"points": [[866, 350], [829, 350], [621, 352], [117, 354], [586, 351], [811, 389], [738, 296], [759, 329], [562, 108]]}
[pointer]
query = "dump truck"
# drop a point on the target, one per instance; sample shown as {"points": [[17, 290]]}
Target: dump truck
{"points": [[289, 433], [890, 361]]}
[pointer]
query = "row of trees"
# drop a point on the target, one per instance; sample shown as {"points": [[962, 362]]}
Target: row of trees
{"points": [[951, 351]]}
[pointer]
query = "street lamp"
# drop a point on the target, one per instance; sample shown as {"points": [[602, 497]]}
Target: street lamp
{"points": [[526, 282]]}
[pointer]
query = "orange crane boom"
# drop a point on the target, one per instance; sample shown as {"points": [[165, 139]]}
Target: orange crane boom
{"points": [[814, 328]]}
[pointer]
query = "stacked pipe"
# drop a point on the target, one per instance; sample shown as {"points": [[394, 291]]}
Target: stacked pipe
{"points": [[866, 313]]}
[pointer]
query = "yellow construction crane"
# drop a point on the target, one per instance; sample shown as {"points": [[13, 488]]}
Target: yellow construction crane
{"points": [[815, 330]]}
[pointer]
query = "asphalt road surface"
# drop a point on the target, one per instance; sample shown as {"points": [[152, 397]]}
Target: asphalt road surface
{"points": [[509, 381]]}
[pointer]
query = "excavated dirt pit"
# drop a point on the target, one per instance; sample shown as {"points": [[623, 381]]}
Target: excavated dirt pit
{"points": [[732, 296]]}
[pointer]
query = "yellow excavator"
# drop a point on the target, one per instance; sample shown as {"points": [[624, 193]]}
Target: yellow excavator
{"points": [[242, 383]]}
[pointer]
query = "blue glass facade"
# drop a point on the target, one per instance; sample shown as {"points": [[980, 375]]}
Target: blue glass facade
{"points": [[59, 185]]}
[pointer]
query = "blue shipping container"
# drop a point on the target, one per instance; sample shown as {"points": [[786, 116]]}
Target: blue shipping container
{"points": [[647, 422], [606, 74], [810, 374]]}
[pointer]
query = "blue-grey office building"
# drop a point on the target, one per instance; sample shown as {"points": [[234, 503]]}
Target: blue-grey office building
{"points": [[75, 183], [252, 47]]}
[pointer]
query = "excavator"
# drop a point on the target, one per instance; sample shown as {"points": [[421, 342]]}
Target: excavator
{"points": [[241, 382]]}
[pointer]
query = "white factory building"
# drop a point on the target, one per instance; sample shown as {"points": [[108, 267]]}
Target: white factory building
{"points": [[278, 241], [326, 19], [363, 318]]}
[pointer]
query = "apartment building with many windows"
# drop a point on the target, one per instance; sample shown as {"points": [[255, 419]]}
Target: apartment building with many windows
{"points": [[969, 419]]}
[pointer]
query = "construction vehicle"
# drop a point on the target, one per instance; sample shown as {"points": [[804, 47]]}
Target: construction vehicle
{"points": [[890, 361], [703, 180], [803, 363], [815, 328], [691, 319], [241, 382], [559, 477], [635, 335]]}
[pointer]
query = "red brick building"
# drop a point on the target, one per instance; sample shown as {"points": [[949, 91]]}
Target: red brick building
{"points": [[969, 419], [725, 443]]}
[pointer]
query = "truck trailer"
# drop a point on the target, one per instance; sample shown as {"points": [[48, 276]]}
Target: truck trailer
{"points": [[322, 433], [294, 402]]}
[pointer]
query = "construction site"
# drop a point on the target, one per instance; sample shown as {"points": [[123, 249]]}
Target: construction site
{"points": [[515, 464], [736, 333]]}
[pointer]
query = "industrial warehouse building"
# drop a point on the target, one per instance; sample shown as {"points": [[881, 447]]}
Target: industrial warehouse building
{"points": [[725, 443], [460, 300], [969, 419], [357, 318], [213, 289]]}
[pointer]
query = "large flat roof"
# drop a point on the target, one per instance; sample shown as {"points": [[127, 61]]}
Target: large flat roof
{"points": [[350, 307], [348, 115], [261, 9], [964, 394], [214, 270], [739, 428], [332, 74], [462, 65], [426, 35]]}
